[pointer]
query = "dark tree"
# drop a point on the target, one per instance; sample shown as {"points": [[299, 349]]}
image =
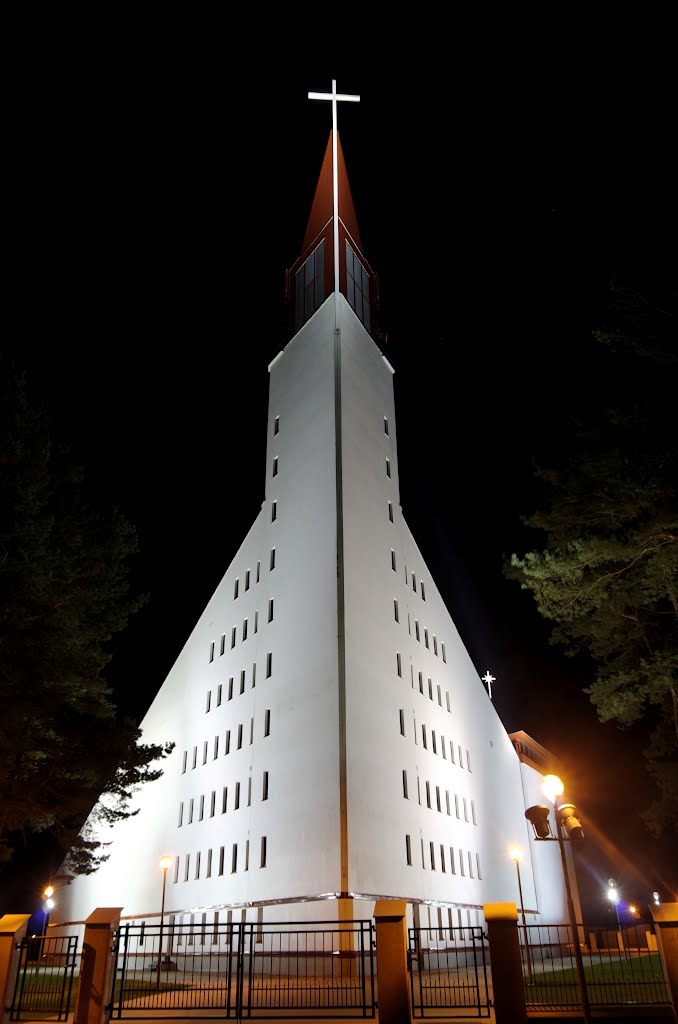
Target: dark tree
{"points": [[64, 593], [607, 573]]}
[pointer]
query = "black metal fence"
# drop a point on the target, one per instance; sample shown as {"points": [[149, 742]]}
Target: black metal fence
{"points": [[448, 972], [621, 967], [245, 970], [44, 983]]}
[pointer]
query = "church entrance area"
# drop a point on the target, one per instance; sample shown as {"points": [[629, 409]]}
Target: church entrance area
{"points": [[244, 971]]}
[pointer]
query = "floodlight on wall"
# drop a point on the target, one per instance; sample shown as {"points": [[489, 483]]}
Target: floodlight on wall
{"points": [[538, 817], [569, 821]]}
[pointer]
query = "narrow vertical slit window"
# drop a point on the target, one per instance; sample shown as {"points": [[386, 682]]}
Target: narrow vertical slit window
{"points": [[442, 648], [468, 761], [219, 692], [465, 809], [473, 812], [271, 564], [213, 803], [276, 425], [405, 793], [212, 652], [461, 862], [254, 674], [395, 611], [275, 466], [197, 864], [244, 629], [236, 799], [270, 610], [242, 680], [208, 870], [438, 803], [201, 812], [204, 752], [264, 788], [390, 513], [401, 716], [385, 426], [181, 814], [234, 858], [187, 867], [428, 795], [424, 739], [208, 702], [416, 629], [215, 751], [222, 644], [478, 865], [184, 760], [447, 801], [388, 468], [426, 636], [224, 800], [233, 638], [432, 851], [236, 587], [227, 742], [247, 580], [195, 756], [423, 592], [393, 560], [414, 583], [249, 792], [440, 696], [399, 665], [240, 737], [435, 645], [221, 860], [442, 858], [269, 664], [251, 731], [453, 866], [267, 723], [262, 858], [274, 511], [408, 850], [470, 865], [256, 621], [433, 741], [258, 571], [176, 870]]}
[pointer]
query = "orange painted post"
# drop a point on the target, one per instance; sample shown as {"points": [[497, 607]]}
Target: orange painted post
{"points": [[92, 1004], [393, 993], [508, 994], [12, 930], [665, 917]]}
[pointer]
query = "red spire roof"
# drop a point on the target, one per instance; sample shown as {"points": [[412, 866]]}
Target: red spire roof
{"points": [[321, 210]]}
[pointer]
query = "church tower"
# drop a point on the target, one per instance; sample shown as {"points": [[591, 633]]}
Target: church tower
{"points": [[334, 743]]}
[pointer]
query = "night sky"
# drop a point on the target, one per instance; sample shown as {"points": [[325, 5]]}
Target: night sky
{"points": [[158, 202]]}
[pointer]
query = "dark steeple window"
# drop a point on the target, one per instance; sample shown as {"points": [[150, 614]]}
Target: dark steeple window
{"points": [[310, 286], [357, 287]]}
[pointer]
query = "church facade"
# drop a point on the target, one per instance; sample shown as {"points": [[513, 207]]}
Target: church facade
{"points": [[334, 743]]}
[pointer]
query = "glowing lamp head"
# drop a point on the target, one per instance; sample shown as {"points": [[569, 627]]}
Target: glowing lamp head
{"points": [[49, 891], [632, 909], [552, 787], [613, 894], [49, 905], [165, 863], [516, 854]]}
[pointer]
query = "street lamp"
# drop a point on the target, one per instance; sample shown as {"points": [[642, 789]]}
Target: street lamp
{"points": [[516, 855], [48, 905], [566, 819], [613, 897], [164, 864]]}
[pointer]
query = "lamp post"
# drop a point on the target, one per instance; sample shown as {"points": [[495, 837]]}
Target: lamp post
{"points": [[164, 864], [48, 905], [516, 855], [538, 816], [613, 897]]}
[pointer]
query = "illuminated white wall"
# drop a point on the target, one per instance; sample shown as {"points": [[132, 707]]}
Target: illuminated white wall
{"points": [[480, 775]]}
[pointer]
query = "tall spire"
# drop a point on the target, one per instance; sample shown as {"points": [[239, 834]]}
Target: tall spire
{"points": [[331, 258]]}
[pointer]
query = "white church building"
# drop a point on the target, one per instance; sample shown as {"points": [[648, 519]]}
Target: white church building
{"points": [[334, 742]]}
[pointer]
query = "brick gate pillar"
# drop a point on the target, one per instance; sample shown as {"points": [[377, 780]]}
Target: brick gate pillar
{"points": [[665, 917], [12, 930], [92, 1004], [508, 994], [393, 993]]}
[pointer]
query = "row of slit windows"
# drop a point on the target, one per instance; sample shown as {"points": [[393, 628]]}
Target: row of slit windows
{"points": [[437, 742], [228, 690], [209, 806], [248, 574], [434, 796], [435, 856], [215, 861], [244, 633], [238, 739], [188, 932], [431, 693]]}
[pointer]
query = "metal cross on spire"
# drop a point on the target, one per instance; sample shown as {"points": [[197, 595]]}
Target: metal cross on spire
{"points": [[335, 97]]}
